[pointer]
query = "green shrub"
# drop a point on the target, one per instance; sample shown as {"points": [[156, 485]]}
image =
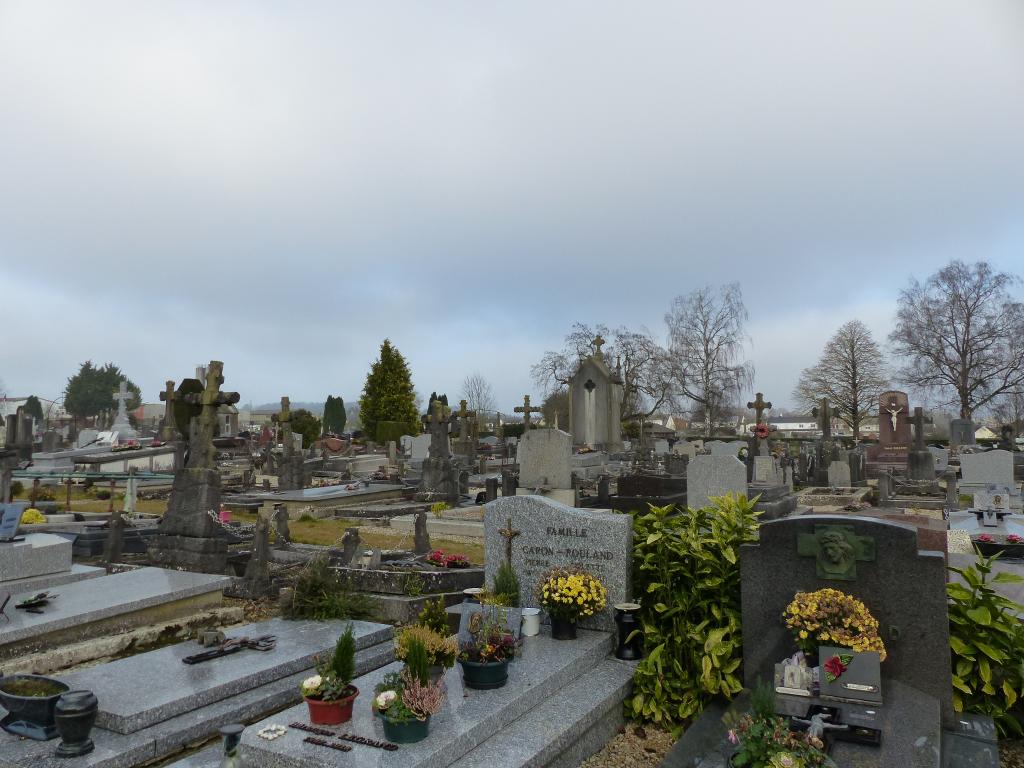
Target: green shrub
{"points": [[321, 593], [506, 584], [686, 571], [343, 663], [417, 660], [435, 617], [987, 640], [17, 488], [391, 430]]}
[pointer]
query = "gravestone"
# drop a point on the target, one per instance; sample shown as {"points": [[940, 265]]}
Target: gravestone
{"points": [[189, 537], [711, 475], [419, 447], [766, 470], [545, 457], [540, 533], [894, 434], [291, 470], [51, 441], [961, 432], [406, 443], [595, 398], [941, 458], [920, 461], [839, 474], [723, 448], [795, 555], [684, 448], [439, 479], [660, 447], [978, 470], [122, 426]]}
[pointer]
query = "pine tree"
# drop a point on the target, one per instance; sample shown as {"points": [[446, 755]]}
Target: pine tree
{"points": [[334, 415], [388, 394]]}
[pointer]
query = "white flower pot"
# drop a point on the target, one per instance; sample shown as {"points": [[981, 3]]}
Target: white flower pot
{"points": [[531, 621]]}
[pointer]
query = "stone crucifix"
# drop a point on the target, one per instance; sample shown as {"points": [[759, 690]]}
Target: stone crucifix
{"points": [[437, 424], [598, 342], [759, 406], [201, 455], [509, 533], [464, 415], [894, 413], [526, 409], [167, 398]]}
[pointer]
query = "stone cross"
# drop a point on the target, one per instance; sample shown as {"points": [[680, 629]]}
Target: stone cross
{"points": [[919, 429], [284, 419], [437, 424], [121, 394], [464, 416], [201, 455], [598, 342], [167, 398], [526, 409], [509, 533], [759, 406], [824, 416]]}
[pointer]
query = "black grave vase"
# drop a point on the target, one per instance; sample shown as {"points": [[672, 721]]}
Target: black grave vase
{"points": [[75, 714], [563, 629]]}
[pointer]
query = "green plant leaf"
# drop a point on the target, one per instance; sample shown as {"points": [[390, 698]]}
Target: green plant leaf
{"points": [[993, 653], [1007, 578], [980, 615]]}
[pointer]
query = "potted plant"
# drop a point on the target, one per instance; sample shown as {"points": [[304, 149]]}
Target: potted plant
{"points": [[406, 701], [441, 651], [568, 595], [329, 694], [763, 740], [831, 617], [31, 702], [485, 656]]}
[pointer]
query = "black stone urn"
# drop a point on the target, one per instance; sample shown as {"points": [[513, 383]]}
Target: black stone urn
{"points": [[75, 715], [30, 701]]}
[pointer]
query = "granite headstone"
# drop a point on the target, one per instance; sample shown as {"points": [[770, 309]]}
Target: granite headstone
{"points": [[711, 475]]}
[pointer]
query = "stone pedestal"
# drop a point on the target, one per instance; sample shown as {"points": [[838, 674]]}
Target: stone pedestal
{"points": [[189, 538], [921, 465], [39, 554], [439, 481]]}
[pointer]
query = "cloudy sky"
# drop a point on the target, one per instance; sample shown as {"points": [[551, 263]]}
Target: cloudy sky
{"points": [[282, 185]]}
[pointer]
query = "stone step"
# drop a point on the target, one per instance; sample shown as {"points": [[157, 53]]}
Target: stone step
{"points": [[130, 702], [187, 730], [566, 728], [35, 584], [108, 604], [469, 718]]}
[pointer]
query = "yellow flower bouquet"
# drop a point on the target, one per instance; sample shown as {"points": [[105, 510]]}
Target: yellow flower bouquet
{"points": [[831, 617], [571, 594]]}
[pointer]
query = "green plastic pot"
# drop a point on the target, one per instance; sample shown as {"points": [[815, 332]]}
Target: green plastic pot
{"points": [[484, 676], [408, 732]]}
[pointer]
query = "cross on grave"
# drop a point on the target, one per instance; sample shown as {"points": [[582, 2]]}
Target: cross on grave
{"points": [[919, 429], [464, 416], [526, 409], [437, 424], [824, 417], [759, 406], [837, 549], [121, 394], [202, 454], [598, 342], [509, 533], [284, 419], [167, 397]]}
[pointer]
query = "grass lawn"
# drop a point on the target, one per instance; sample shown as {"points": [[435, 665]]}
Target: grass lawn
{"points": [[84, 501], [328, 532]]}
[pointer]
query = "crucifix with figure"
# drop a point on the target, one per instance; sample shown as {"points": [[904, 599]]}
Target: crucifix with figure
{"points": [[509, 533], [526, 409]]}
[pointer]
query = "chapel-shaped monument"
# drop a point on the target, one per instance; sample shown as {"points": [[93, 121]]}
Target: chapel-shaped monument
{"points": [[595, 400]]}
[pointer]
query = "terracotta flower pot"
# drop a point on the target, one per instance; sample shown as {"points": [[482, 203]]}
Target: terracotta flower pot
{"points": [[332, 712]]}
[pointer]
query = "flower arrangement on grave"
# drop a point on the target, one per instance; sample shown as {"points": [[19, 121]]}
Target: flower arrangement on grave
{"points": [[32, 516], [438, 558], [831, 617], [485, 656], [406, 700], [441, 650], [329, 693], [568, 595], [764, 740]]}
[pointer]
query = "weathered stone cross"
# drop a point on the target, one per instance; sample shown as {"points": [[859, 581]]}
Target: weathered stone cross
{"points": [[211, 398], [437, 421], [167, 397], [824, 417], [464, 415], [759, 406], [509, 533], [598, 342], [526, 409], [919, 429]]}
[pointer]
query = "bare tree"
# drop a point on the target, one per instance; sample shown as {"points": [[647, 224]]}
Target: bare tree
{"points": [[707, 341], [645, 366], [962, 335], [1009, 409], [850, 373], [478, 393]]}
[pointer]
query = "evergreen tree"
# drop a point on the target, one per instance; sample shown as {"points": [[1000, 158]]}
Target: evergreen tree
{"points": [[388, 394], [334, 415], [91, 391], [33, 407], [304, 423]]}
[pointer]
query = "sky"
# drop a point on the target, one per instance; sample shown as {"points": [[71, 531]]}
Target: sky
{"points": [[281, 186]]}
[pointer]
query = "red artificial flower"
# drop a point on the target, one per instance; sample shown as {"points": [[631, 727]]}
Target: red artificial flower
{"points": [[985, 537], [1013, 538], [834, 667], [761, 431]]}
